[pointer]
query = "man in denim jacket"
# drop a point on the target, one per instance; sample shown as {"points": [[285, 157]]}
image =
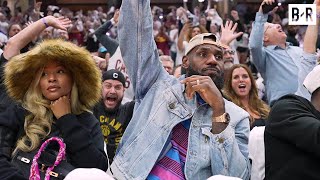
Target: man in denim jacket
{"points": [[217, 130]]}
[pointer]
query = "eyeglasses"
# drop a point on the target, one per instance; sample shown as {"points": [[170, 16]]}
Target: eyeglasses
{"points": [[229, 51]]}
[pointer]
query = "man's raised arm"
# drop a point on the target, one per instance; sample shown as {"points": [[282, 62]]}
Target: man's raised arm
{"points": [[137, 45], [311, 36]]}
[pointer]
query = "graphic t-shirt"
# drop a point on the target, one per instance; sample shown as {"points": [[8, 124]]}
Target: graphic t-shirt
{"points": [[113, 124]]}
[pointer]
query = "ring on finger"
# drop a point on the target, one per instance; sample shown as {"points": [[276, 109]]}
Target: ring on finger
{"points": [[198, 81]]}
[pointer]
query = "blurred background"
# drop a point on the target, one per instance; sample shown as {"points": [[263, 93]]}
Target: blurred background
{"points": [[223, 6]]}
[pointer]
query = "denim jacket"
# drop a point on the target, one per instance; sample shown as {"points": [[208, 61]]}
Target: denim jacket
{"points": [[161, 104]]}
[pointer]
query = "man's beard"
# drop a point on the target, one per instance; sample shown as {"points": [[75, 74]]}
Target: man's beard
{"points": [[216, 78], [113, 110]]}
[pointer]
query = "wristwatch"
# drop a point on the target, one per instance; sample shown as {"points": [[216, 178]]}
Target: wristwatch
{"points": [[224, 118]]}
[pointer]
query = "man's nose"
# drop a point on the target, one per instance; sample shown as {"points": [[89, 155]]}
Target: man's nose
{"points": [[112, 90], [167, 69], [212, 60]]}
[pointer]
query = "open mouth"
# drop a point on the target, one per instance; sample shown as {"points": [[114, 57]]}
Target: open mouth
{"points": [[111, 100], [242, 87]]}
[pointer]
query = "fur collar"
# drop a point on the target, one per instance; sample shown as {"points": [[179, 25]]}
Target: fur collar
{"points": [[22, 69]]}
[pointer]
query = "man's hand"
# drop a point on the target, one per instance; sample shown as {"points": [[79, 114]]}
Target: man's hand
{"points": [[182, 14], [61, 107], [101, 63], [207, 90], [269, 2], [228, 33]]}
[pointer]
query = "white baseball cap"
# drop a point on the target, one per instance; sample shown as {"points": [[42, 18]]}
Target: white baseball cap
{"points": [[204, 38], [312, 81]]}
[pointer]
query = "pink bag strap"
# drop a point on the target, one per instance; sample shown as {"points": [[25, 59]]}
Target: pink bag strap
{"points": [[34, 170]]}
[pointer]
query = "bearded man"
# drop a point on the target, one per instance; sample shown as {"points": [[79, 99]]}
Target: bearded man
{"points": [[113, 116]]}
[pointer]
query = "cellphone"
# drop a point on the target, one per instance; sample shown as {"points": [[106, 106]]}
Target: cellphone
{"points": [[190, 18], [267, 8]]}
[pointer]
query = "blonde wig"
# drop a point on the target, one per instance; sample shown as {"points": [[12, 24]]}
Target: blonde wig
{"points": [[23, 86], [38, 123]]}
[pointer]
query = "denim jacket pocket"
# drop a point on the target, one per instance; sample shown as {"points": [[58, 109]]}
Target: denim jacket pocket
{"points": [[177, 109], [174, 106]]}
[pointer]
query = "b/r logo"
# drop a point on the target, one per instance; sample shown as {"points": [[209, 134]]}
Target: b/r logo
{"points": [[302, 14]]}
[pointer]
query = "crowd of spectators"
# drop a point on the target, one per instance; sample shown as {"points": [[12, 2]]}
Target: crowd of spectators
{"points": [[246, 38]]}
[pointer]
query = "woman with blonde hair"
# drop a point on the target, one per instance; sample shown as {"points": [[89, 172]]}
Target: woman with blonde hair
{"points": [[240, 88], [54, 86]]}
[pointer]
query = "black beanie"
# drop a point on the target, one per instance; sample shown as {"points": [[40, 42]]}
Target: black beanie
{"points": [[115, 75]]}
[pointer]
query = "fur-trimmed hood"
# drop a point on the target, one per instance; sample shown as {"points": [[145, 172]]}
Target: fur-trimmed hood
{"points": [[22, 69]]}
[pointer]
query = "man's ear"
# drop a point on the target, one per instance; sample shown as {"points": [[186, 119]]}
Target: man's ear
{"points": [[265, 38], [185, 62]]}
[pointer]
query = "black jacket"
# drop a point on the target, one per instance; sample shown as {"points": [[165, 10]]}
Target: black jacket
{"points": [[81, 133], [292, 140], [5, 100], [110, 44]]}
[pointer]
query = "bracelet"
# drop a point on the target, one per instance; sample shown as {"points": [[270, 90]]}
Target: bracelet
{"points": [[45, 22]]}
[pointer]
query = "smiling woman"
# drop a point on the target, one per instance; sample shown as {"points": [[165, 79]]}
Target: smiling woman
{"points": [[240, 87]]}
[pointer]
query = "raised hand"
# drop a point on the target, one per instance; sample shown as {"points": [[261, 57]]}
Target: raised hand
{"points": [[60, 107], [59, 23], [182, 14], [228, 32], [268, 2], [101, 63]]}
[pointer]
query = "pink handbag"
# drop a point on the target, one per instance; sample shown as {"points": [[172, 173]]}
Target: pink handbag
{"points": [[34, 170]]}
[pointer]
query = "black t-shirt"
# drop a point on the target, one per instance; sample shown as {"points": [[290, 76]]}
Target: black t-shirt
{"points": [[113, 124]]}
